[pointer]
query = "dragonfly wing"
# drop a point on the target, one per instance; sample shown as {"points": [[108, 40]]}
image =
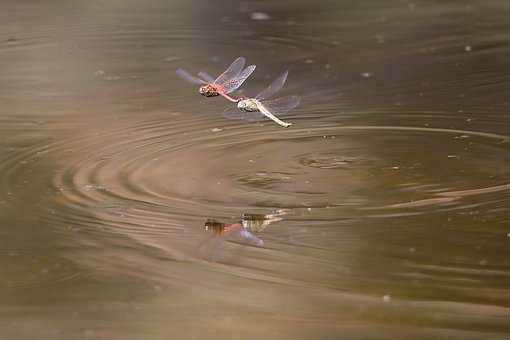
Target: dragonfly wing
{"points": [[243, 236], [235, 83], [207, 77], [231, 72], [275, 86], [282, 105], [188, 77], [241, 115]]}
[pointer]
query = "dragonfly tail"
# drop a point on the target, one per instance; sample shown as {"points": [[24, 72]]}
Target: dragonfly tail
{"points": [[227, 97], [271, 116]]}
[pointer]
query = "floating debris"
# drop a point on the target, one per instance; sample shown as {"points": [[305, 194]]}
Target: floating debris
{"points": [[171, 59], [94, 187], [260, 16], [265, 179], [380, 39], [327, 161]]}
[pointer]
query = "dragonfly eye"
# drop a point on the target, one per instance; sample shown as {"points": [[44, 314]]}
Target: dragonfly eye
{"points": [[208, 90]]}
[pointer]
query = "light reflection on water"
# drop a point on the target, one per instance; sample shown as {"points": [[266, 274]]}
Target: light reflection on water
{"points": [[384, 207]]}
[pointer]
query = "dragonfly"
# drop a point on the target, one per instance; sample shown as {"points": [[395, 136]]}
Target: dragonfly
{"points": [[227, 82], [261, 106], [234, 232], [246, 231]]}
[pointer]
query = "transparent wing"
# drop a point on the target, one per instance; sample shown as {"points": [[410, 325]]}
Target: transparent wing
{"points": [[232, 113], [206, 76], [282, 105], [188, 77], [231, 72], [243, 236], [235, 83], [275, 86], [212, 247]]}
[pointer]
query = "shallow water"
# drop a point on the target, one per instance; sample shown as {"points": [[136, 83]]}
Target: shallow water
{"points": [[382, 213]]}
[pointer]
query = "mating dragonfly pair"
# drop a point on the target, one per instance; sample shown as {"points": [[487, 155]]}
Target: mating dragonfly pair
{"points": [[246, 231], [252, 109]]}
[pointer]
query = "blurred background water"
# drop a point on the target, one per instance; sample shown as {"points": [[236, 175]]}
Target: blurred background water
{"points": [[382, 213]]}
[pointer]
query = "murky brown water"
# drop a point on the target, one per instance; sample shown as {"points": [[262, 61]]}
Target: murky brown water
{"points": [[382, 213]]}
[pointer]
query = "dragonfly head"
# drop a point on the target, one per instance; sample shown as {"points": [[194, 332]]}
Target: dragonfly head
{"points": [[214, 226], [208, 90]]}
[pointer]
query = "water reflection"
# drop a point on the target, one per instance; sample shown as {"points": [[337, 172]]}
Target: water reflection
{"points": [[245, 230]]}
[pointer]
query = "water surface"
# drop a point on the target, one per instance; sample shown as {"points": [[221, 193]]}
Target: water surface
{"points": [[382, 213]]}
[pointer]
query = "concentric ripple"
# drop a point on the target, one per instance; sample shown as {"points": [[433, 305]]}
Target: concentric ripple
{"points": [[156, 181], [195, 173]]}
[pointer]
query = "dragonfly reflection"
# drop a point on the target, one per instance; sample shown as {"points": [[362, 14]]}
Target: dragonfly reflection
{"points": [[245, 231]]}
